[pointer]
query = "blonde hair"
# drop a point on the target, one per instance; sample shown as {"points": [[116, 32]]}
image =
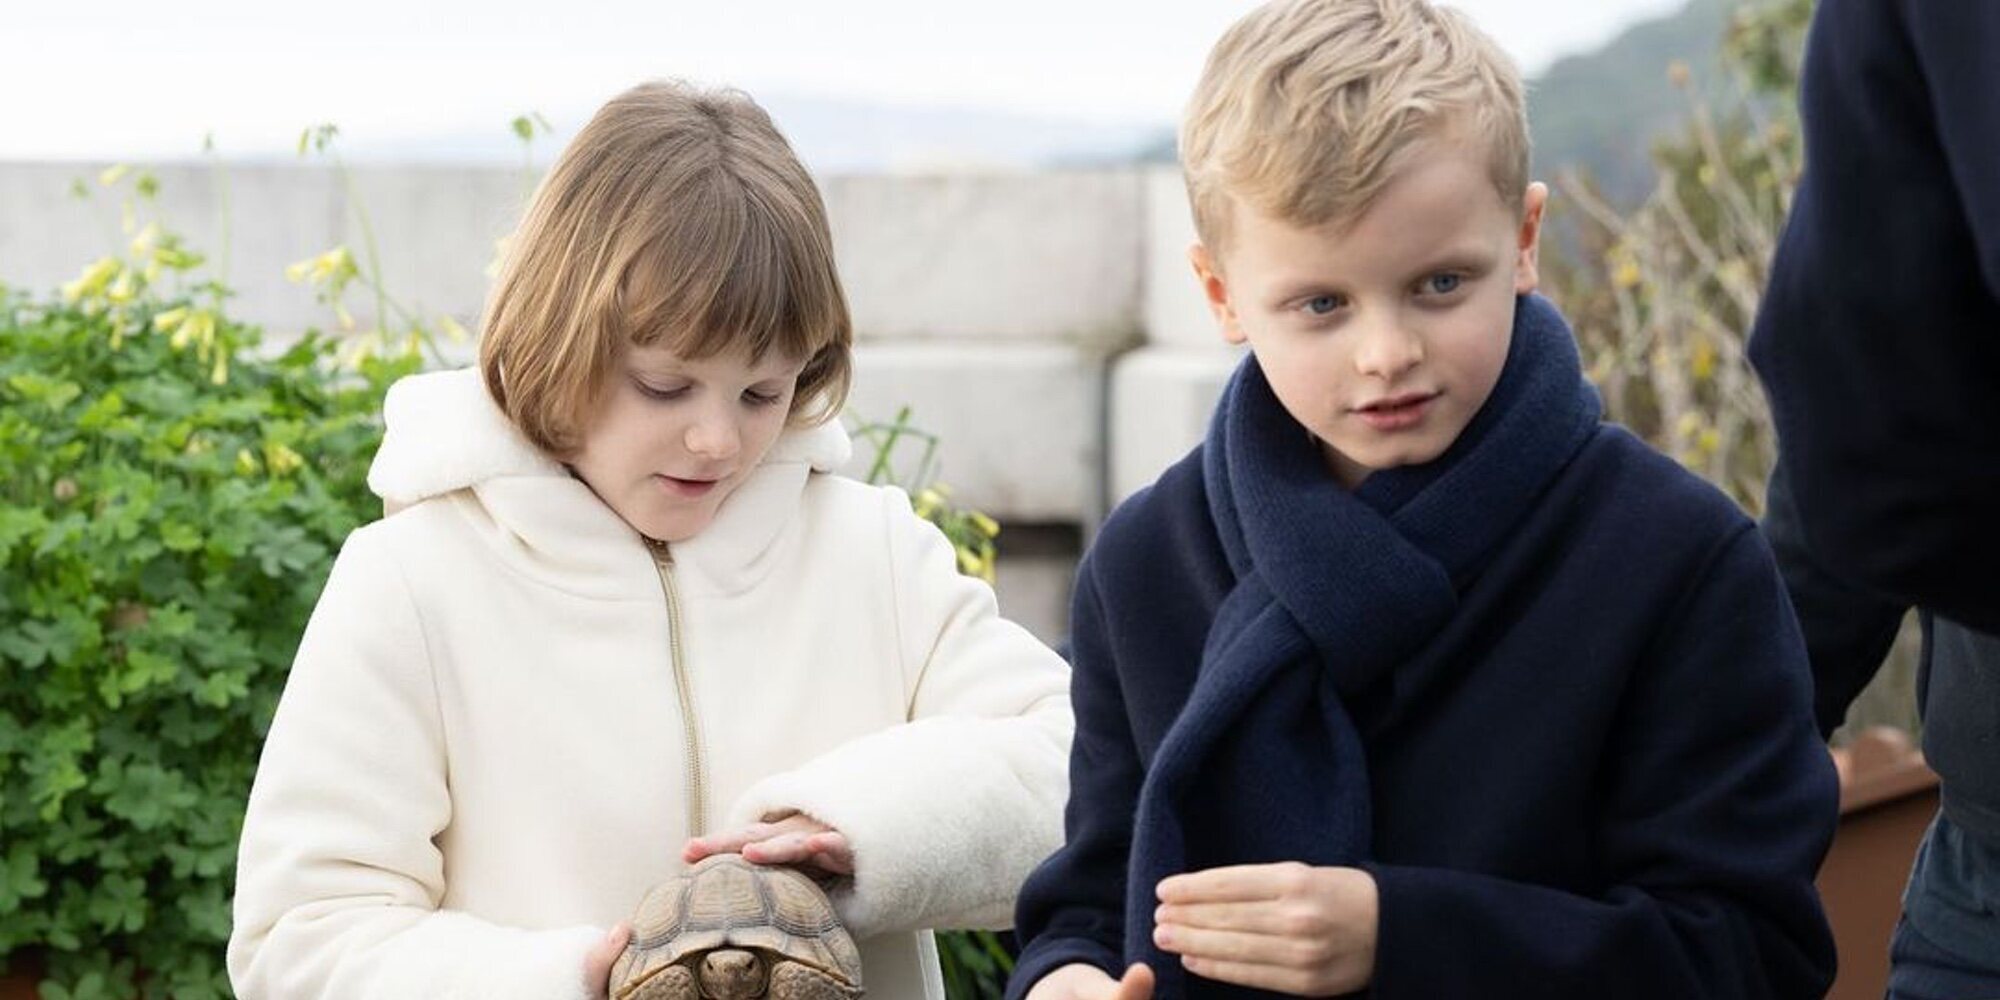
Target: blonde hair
{"points": [[1307, 108], [678, 217]]}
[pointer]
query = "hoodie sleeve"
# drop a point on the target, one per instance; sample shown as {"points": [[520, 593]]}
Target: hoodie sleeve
{"points": [[1878, 338], [948, 812], [338, 877]]}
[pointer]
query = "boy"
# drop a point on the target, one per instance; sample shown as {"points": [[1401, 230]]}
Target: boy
{"points": [[1415, 677]]}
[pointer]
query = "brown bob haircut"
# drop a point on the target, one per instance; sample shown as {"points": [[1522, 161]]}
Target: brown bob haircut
{"points": [[679, 218]]}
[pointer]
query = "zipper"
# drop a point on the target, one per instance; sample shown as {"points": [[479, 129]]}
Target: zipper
{"points": [[697, 779]]}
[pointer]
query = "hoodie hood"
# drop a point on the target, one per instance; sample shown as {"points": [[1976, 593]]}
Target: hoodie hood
{"points": [[444, 436]]}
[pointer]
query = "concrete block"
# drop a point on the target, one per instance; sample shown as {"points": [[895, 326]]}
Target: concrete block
{"points": [[1019, 425], [1161, 400], [1013, 257], [1176, 313], [438, 230]]}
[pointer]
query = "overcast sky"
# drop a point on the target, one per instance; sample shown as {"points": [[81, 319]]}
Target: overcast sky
{"points": [[118, 79]]}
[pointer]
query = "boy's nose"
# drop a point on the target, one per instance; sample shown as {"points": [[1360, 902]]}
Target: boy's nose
{"points": [[1386, 350]]}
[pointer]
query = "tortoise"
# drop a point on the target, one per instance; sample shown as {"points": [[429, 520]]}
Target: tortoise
{"points": [[726, 929]]}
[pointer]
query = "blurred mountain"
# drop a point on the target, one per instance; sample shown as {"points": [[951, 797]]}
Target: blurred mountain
{"points": [[1599, 112], [832, 136]]}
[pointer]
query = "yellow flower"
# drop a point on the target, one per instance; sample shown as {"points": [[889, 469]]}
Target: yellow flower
{"points": [[1704, 359], [92, 280], [143, 243], [336, 265], [1690, 423], [123, 288], [987, 526], [170, 320], [281, 460], [246, 463], [113, 175]]}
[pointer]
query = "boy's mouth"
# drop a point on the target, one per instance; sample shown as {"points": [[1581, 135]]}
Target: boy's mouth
{"points": [[1396, 412]]}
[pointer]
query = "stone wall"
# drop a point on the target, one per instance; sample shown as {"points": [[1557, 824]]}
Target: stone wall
{"points": [[1045, 325]]}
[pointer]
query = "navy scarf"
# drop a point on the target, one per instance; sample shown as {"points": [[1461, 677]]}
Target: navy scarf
{"points": [[1332, 589]]}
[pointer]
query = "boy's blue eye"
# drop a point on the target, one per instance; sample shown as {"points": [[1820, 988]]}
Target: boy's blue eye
{"points": [[1443, 284], [1320, 305]]}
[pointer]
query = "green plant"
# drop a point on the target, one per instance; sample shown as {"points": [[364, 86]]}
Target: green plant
{"points": [[170, 501], [1664, 295], [971, 532]]}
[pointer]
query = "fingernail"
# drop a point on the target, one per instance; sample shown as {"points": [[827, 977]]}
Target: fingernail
{"points": [[1162, 937]]}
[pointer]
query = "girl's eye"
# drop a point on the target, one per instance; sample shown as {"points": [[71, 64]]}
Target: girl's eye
{"points": [[1320, 305], [654, 392], [1443, 284], [755, 398]]}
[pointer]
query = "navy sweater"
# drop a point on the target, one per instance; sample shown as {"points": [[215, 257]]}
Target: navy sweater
{"points": [[1600, 779], [1879, 344], [1879, 335]]}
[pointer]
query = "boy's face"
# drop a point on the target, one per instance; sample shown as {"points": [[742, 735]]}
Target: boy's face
{"points": [[1383, 336], [673, 437]]}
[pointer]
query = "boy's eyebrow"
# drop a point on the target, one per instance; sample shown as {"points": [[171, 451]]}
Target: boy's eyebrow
{"points": [[1295, 288]]}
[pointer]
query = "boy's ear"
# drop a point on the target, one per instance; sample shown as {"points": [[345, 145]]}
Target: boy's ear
{"points": [[1527, 270], [1215, 291]]}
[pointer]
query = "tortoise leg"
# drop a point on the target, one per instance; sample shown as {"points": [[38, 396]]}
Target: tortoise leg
{"points": [[797, 981], [674, 982]]}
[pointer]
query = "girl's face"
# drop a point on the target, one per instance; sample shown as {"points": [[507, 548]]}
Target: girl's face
{"points": [[673, 437]]}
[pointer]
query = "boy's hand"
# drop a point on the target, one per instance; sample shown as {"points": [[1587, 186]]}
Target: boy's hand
{"points": [[797, 839], [602, 956], [1285, 927], [1081, 981]]}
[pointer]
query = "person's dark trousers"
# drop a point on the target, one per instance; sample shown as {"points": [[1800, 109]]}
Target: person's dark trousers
{"points": [[1923, 971], [1947, 946]]}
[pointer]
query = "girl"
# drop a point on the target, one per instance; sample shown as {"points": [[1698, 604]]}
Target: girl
{"points": [[619, 617]]}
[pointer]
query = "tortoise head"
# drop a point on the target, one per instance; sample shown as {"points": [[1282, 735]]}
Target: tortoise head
{"points": [[731, 974]]}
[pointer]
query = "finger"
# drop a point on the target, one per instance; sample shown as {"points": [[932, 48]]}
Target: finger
{"points": [[603, 956], [832, 852], [1234, 946], [614, 941], [1264, 977], [1236, 883], [1136, 984], [781, 850], [1264, 916], [726, 842]]}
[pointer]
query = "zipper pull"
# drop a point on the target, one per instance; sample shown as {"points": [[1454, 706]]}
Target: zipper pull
{"points": [[663, 553]]}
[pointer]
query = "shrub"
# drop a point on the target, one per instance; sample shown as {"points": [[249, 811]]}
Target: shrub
{"points": [[170, 502]]}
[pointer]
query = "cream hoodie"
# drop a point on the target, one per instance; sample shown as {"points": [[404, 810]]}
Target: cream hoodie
{"points": [[481, 760]]}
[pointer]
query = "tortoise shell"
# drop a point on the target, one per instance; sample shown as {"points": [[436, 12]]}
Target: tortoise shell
{"points": [[726, 906]]}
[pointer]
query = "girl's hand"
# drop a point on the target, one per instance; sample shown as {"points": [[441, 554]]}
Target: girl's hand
{"points": [[1285, 927], [797, 839], [597, 964]]}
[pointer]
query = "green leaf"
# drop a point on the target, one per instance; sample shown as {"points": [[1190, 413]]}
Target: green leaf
{"points": [[178, 537]]}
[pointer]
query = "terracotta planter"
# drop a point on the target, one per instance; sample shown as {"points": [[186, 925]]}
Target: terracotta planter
{"points": [[1887, 799], [19, 984]]}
